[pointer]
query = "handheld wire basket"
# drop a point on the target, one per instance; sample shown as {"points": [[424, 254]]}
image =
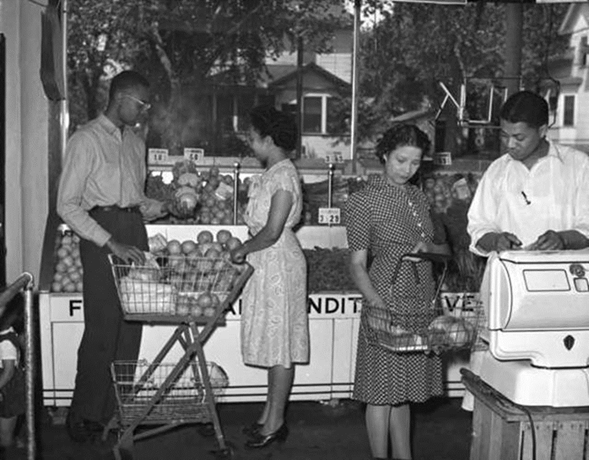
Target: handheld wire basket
{"points": [[177, 288], [432, 328], [140, 385]]}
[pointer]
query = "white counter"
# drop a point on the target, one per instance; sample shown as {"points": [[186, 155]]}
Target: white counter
{"points": [[333, 321]]}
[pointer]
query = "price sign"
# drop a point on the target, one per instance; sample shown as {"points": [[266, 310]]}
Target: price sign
{"points": [[193, 154], [157, 156], [335, 157], [329, 216], [443, 158]]}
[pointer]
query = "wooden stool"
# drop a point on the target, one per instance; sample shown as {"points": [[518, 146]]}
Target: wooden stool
{"points": [[502, 430]]}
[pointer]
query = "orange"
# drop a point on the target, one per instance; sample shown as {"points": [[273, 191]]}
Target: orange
{"points": [[174, 247], [188, 247], [204, 236], [204, 300]]}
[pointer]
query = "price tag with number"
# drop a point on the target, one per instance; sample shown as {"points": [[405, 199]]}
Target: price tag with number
{"points": [[329, 216], [157, 156], [334, 158], [193, 154]]}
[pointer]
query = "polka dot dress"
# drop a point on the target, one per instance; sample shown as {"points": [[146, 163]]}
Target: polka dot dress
{"points": [[389, 221]]}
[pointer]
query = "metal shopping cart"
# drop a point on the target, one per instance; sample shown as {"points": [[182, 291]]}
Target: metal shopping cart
{"points": [[195, 294], [25, 283], [434, 328]]}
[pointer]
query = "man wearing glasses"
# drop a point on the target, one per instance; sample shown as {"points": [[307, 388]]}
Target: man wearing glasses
{"points": [[101, 198]]}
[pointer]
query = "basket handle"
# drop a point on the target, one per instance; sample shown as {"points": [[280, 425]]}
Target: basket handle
{"points": [[431, 256], [398, 268]]}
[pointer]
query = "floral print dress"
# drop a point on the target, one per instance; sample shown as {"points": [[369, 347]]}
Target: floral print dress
{"points": [[274, 321]]}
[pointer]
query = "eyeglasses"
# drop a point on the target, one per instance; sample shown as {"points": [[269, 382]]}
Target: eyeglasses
{"points": [[144, 105]]}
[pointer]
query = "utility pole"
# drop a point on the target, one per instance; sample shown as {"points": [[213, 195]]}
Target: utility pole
{"points": [[355, 85], [513, 46], [300, 99]]}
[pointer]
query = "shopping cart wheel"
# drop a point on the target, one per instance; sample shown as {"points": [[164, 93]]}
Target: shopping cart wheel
{"points": [[223, 454], [124, 448]]}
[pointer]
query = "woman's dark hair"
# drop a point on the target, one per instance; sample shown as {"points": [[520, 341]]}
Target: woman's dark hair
{"points": [[281, 127], [525, 107], [400, 136], [128, 79]]}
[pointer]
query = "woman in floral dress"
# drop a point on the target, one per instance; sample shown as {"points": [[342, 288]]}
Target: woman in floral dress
{"points": [[385, 220], [274, 322]]}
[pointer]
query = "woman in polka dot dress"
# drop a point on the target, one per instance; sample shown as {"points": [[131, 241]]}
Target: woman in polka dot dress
{"points": [[385, 220]]}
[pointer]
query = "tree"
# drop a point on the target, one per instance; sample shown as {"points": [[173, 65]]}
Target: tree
{"points": [[415, 46], [181, 45]]}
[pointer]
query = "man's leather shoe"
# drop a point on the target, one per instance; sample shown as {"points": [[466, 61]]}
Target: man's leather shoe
{"points": [[80, 429], [252, 428]]}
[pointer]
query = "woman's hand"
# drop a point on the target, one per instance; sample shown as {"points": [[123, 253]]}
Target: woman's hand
{"points": [[419, 247], [376, 302], [238, 254]]}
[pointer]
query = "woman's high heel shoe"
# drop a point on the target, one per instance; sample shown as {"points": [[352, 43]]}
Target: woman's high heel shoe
{"points": [[258, 440]]}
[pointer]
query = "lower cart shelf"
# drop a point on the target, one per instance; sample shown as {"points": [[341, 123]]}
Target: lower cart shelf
{"points": [[183, 401]]}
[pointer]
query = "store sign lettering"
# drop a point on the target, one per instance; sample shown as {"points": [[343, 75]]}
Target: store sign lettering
{"points": [[75, 305], [327, 305], [462, 301], [319, 305]]}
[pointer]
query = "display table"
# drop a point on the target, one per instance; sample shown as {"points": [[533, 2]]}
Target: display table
{"points": [[334, 319], [502, 430]]}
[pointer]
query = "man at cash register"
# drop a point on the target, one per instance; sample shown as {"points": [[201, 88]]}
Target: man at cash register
{"points": [[534, 197]]}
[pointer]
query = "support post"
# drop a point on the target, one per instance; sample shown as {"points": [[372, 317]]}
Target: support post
{"points": [[513, 46]]}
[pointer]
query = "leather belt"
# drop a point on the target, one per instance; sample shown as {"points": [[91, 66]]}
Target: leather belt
{"points": [[115, 208]]}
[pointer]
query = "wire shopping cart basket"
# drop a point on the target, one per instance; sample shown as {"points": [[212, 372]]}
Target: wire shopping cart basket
{"points": [[434, 327], [195, 294]]}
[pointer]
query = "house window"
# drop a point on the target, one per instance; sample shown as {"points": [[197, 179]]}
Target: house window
{"points": [[290, 109], [322, 114], [245, 103], [583, 50], [225, 112], [312, 114], [569, 111], [336, 118]]}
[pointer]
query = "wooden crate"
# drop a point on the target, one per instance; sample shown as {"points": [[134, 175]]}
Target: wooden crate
{"points": [[501, 429]]}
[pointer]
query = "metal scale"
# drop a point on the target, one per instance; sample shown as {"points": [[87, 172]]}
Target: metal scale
{"points": [[537, 306]]}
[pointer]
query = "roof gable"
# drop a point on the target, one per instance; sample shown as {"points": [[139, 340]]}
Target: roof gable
{"points": [[311, 67], [572, 17]]}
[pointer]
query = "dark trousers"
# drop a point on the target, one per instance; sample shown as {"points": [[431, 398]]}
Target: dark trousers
{"points": [[107, 337]]}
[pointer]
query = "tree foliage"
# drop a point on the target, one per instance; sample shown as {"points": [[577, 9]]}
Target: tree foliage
{"points": [[185, 46], [416, 46], [183, 43]]}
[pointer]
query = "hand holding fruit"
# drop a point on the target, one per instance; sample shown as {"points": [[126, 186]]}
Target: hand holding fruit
{"points": [[153, 209], [184, 206], [238, 254]]}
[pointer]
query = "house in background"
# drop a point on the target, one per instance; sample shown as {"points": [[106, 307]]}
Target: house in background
{"points": [[326, 84], [569, 100]]}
